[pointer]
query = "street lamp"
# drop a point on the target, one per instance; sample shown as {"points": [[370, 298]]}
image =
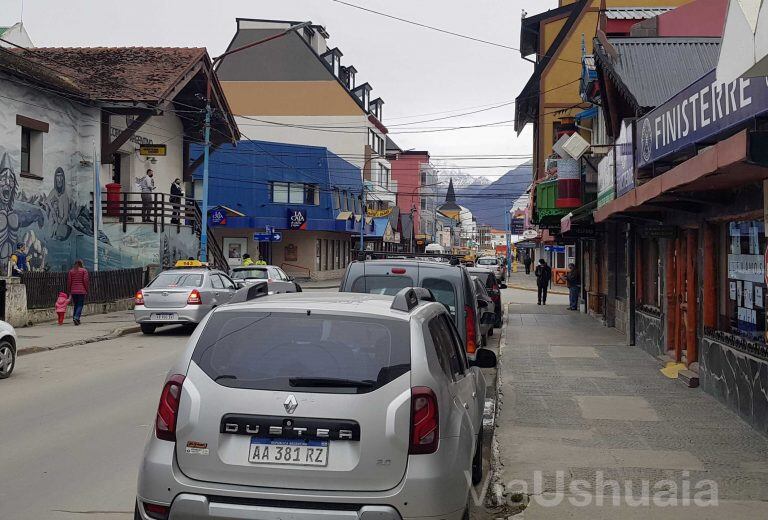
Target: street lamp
{"points": [[508, 215], [206, 152]]}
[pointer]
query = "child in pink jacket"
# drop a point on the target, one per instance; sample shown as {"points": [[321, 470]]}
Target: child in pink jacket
{"points": [[61, 306]]}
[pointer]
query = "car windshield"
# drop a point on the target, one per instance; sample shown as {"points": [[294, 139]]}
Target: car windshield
{"points": [[488, 261], [385, 285], [291, 352], [171, 280], [242, 274]]}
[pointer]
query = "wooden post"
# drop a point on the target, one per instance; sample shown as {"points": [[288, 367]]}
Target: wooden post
{"points": [[671, 292], [681, 266], [692, 308], [639, 278], [710, 290]]}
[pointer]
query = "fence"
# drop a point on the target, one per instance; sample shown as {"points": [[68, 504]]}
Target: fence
{"points": [[105, 286]]}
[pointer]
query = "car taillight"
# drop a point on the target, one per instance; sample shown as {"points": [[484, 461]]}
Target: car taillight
{"points": [[156, 512], [398, 270], [194, 298], [425, 421], [168, 408], [471, 333], [139, 298]]}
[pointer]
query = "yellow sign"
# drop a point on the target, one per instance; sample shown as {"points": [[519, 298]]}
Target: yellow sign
{"points": [[190, 263], [379, 213], [153, 150]]}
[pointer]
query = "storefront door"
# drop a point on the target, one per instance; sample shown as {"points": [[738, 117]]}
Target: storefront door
{"points": [[684, 342]]}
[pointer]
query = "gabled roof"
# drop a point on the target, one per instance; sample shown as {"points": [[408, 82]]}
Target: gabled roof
{"points": [[529, 29], [138, 74], [649, 71], [31, 72]]}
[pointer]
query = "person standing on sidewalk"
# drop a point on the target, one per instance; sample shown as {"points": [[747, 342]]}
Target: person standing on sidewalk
{"points": [[61, 306], [543, 276], [146, 186], [78, 283], [175, 199], [574, 286], [527, 261]]}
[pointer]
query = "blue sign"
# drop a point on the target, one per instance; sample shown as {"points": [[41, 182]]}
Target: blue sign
{"points": [[516, 226], [268, 237], [218, 217], [625, 159], [555, 249], [698, 113]]}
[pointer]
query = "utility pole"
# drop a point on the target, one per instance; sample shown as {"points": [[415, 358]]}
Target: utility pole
{"points": [[509, 240], [362, 220], [206, 152], [96, 208]]}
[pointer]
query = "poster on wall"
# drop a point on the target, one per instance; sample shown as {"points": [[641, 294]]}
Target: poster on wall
{"points": [[234, 249], [748, 268], [748, 295], [733, 291]]}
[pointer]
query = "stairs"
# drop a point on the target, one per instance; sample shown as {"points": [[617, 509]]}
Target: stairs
{"points": [[215, 253]]}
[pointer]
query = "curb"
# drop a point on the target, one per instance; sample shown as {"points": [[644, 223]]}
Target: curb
{"points": [[497, 486], [117, 333], [519, 288]]}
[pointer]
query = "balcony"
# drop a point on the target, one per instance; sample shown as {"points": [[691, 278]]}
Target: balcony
{"points": [[547, 212]]}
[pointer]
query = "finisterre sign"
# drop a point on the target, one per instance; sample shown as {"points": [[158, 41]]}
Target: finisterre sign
{"points": [[701, 111]]}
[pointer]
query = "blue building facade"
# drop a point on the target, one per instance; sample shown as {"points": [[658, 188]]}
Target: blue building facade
{"points": [[308, 194]]}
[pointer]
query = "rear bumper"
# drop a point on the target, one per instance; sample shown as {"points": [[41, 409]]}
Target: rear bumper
{"points": [[186, 314]]}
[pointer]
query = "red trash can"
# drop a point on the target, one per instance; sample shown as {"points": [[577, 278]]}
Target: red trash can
{"points": [[113, 199]]}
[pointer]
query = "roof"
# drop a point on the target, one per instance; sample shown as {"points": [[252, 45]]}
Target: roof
{"points": [[649, 71], [136, 73], [341, 303], [635, 13], [529, 30], [31, 72]]}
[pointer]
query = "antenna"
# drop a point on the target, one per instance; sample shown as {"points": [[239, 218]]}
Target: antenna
{"points": [[21, 18]]}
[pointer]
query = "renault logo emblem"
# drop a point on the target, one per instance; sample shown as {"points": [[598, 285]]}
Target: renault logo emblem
{"points": [[291, 404]]}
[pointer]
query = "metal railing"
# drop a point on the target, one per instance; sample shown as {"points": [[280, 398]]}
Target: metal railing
{"points": [[162, 211], [105, 286]]}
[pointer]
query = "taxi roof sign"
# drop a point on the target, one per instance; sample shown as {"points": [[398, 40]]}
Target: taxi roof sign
{"points": [[190, 263]]}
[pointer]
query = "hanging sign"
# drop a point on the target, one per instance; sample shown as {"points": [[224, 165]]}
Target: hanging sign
{"points": [[153, 150], [297, 218]]}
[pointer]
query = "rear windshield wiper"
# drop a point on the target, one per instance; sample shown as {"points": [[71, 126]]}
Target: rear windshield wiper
{"points": [[331, 382], [224, 376]]}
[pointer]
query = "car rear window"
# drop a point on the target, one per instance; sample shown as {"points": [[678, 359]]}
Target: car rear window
{"points": [[266, 351], [386, 285], [242, 274], [173, 280], [487, 261], [443, 292]]}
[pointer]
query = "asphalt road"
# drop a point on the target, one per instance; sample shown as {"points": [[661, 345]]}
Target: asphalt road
{"points": [[73, 423]]}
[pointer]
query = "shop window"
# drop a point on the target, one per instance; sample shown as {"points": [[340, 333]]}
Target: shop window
{"points": [[336, 199], [742, 287], [648, 288]]}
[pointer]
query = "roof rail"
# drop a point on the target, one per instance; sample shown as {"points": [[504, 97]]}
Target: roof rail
{"points": [[375, 255], [407, 299]]}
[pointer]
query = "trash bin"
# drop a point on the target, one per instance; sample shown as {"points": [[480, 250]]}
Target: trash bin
{"points": [[113, 199]]}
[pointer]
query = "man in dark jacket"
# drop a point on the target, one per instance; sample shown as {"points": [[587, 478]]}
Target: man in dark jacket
{"points": [[175, 200], [543, 276], [527, 261], [574, 286]]}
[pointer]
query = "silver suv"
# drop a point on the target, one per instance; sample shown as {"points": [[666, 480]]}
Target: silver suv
{"points": [[331, 405]]}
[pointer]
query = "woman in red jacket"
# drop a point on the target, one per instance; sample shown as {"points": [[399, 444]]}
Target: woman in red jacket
{"points": [[77, 286]]}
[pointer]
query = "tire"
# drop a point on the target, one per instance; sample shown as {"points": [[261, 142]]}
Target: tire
{"points": [[148, 328], [8, 356], [484, 340], [477, 461]]}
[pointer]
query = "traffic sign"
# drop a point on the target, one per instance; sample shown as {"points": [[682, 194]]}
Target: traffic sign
{"points": [[268, 237]]}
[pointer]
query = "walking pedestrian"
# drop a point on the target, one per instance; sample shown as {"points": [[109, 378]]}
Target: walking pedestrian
{"points": [[175, 199], [527, 261], [543, 276], [78, 283], [146, 186], [574, 286], [61, 306], [247, 260]]}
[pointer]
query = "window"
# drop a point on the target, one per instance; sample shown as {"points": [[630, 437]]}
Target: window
{"points": [[446, 346], [443, 292], [253, 273], [280, 192], [384, 285], [171, 280], [384, 176], [311, 195], [336, 199], [26, 140], [296, 194], [228, 284], [273, 351], [344, 206], [216, 282], [423, 178], [423, 203]]}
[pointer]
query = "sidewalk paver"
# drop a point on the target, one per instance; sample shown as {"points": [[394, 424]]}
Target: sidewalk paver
{"points": [[586, 422], [96, 327]]}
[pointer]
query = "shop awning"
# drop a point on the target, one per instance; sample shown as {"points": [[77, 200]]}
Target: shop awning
{"points": [[589, 113], [344, 215], [722, 166]]}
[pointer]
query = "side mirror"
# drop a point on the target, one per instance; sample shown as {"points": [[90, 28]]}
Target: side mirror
{"points": [[482, 304], [503, 286], [239, 285], [291, 279], [484, 358]]}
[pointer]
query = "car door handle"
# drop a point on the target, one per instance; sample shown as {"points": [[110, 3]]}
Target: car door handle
{"points": [[466, 405], [474, 395]]}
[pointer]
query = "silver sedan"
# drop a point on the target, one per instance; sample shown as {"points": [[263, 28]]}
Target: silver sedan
{"points": [[181, 296]]}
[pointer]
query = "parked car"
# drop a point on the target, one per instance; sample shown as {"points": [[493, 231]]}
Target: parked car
{"points": [[450, 283], [330, 405], [493, 287], [485, 308], [279, 282], [493, 263], [183, 295], [8, 341]]}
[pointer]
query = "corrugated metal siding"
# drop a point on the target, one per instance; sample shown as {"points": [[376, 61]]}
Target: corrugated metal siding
{"points": [[634, 13], [655, 69]]}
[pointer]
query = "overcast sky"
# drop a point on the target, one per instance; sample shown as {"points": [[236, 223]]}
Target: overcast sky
{"points": [[415, 71]]}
